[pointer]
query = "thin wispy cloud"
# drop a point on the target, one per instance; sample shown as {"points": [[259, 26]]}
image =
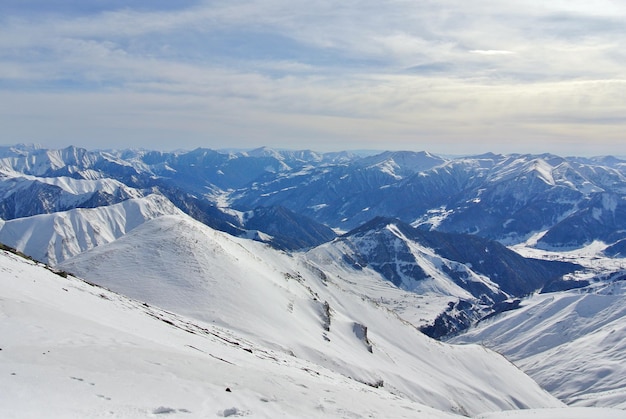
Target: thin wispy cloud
{"points": [[403, 74], [491, 52]]}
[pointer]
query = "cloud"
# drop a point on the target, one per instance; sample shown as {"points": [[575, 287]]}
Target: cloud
{"points": [[293, 69], [324, 36], [491, 52]]}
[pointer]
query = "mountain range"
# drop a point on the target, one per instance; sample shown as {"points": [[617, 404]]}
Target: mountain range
{"points": [[570, 342], [340, 260], [570, 201], [74, 349]]}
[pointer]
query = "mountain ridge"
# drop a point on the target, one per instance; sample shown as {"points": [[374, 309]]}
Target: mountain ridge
{"points": [[509, 198], [460, 241], [276, 299]]}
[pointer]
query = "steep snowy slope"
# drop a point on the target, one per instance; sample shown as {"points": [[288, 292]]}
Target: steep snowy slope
{"points": [[38, 161], [13, 181], [72, 350], [417, 309], [24, 195], [52, 238], [573, 343], [459, 278], [294, 308], [503, 197]]}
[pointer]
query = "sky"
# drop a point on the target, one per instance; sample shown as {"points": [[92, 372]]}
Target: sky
{"points": [[446, 76]]}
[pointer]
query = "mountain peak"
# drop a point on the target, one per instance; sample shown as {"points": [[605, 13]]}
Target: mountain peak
{"points": [[264, 152], [375, 224]]}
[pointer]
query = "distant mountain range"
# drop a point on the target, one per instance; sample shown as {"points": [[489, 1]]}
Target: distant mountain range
{"points": [[58, 203], [248, 331], [444, 244], [569, 201]]}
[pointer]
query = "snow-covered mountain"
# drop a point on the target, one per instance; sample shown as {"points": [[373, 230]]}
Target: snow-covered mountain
{"points": [[25, 195], [36, 181], [71, 349], [421, 245], [341, 195], [285, 303], [276, 197], [287, 230], [602, 217], [70, 162], [517, 196], [572, 342], [474, 275], [52, 238], [503, 197], [509, 198]]}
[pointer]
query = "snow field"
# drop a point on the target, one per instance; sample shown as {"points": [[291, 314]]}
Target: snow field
{"points": [[70, 349], [571, 342], [52, 238], [277, 301]]}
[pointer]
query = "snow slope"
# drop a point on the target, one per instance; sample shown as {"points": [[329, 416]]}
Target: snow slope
{"points": [[73, 350], [573, 343], [24, 195], [420, 305], [284, 303], [52, 238], [13, 182], [571, 413]]}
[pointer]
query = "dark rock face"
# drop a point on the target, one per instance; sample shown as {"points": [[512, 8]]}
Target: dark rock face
{"points": [[515, 275], [35, 199], [387, 246], [42, 198], [391, 257], [561, 285], [617, 250], [457, 317], [360, 331]]}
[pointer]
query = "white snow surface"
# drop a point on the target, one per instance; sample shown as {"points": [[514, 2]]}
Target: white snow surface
{"points": [[73, 350], [52, 238], [573, 343], [417, 309], [571, 413], [418, 301], [283, 303], [74, 190]]}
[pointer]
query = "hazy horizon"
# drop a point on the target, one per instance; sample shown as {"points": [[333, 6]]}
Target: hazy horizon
{"points": [[361, 152]]}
